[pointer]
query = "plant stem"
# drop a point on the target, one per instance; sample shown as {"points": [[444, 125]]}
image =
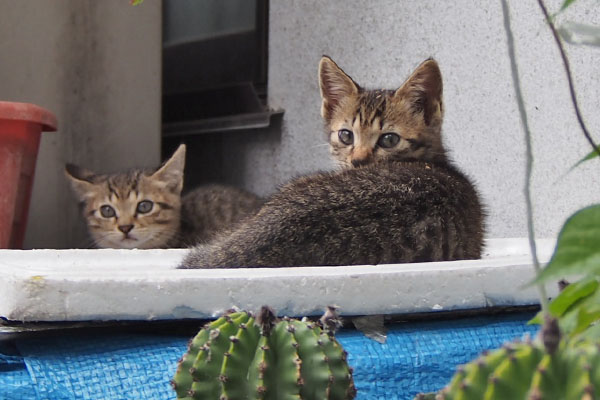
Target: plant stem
{"points": [[567, 66], [529, 154]]}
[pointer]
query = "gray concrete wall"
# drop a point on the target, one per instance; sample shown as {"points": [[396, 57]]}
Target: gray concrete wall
{"points": [[380, 42], [96, 66]]}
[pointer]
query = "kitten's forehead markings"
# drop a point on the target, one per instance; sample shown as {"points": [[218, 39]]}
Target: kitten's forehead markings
{"points": [[356, 124], [377, 124], [112, 191]]}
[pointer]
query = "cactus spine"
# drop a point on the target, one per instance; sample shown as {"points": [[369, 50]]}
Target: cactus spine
{"points": [[239, 356]]}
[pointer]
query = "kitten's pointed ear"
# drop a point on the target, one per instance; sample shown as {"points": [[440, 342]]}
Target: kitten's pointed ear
{"points": [[335, 85], [423, 89], [171, 172], [80, 179]]}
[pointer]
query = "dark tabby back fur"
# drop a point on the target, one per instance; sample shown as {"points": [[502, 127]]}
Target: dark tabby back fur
{"points": [[211, 209], [144, 208], [402, 202]]}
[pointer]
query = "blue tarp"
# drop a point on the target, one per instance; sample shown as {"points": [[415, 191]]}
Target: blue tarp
{"points": [[418, 356]]}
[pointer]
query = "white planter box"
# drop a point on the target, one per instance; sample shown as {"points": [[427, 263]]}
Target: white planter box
{"points": [[86, 285]]}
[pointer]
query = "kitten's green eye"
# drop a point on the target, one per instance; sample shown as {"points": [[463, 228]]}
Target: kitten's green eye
{"points": [[144, 206], [388, 140], [346, 136], [107, 211]]}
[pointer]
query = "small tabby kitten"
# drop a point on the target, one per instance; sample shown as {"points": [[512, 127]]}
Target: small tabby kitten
{"points": [[398, 200], [144, 209]]}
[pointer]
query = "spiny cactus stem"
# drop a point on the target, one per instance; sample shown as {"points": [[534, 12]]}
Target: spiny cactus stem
{"points": [[262, 367], [589, 389], [535, 396], [541, 369], [226, 354]]}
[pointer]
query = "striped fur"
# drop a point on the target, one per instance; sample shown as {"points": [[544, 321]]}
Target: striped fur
{"points": [[172, 221], [394, 204], [414, 112]]}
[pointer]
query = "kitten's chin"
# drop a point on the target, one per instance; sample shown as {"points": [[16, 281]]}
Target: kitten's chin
{"points": [[124, 243], [131, 243]]}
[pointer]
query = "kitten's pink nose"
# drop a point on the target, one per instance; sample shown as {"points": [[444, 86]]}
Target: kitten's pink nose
{"points": [[361, 156], [125, 228]]}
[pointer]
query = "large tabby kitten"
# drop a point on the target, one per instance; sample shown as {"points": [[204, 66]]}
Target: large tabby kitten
{"points": [[144, 209], [400, 199]]}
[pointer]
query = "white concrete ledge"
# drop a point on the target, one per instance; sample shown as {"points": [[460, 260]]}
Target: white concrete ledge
{"points": [[86, 285]]}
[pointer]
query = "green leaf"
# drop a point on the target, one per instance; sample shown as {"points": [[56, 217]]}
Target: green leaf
{"points": [[581, 314], [578, 247], [537, 320], [593, 332], [587, 316], [566, 4], [136, 2], [570, 296], [568, 322], [577, 33], [592, 154]]}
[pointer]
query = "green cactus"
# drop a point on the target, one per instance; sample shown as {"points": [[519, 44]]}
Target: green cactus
{"points": [[239, 356], [528, 371]]}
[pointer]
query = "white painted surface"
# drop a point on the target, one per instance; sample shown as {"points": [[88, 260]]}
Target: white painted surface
{"points": [[84, 285]]}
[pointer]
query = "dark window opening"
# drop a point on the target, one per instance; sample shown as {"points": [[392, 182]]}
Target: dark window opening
{"points": [[215, 57], [214, 63]]}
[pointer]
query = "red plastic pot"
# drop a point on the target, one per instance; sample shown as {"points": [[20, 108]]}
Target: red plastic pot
{"points": [[21, 125]]}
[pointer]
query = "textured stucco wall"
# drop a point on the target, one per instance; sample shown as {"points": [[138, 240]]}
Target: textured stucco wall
{"points": [[96, 66], [380, 42]]}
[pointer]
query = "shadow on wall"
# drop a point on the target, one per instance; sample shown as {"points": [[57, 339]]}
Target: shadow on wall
{"points": [[237, 158]]}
